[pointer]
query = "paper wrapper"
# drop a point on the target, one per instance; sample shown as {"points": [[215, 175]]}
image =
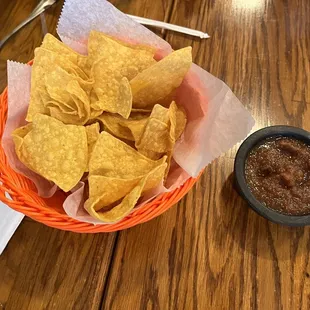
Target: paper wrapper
{"points": [[79, 17], [216, 118], [19, 76]]}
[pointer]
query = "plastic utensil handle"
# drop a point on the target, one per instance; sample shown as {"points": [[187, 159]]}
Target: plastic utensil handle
{"points": [[163, 25]]}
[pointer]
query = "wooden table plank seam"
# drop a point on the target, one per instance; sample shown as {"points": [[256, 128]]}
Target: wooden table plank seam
{"points": [[209, 251], [163, 33]]}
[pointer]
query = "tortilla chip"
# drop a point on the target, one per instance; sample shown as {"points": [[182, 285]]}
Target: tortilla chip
{"points": [[114, 158], [151, 154], [169, 159], [155, 137], [19, 134], [56, 151], [57, 79], [49, 69], [94, 114], [63, 107], [163, 129], [129, 129], [178, 121], [114, 188], [93, 132], [158, 81], [160, 113], [69, 94], [149, 181], [125, 58], [111, 91], [54, 45], [122, 86]]}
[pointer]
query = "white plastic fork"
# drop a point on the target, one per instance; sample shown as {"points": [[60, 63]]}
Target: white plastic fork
{"points": [[163, 25]]}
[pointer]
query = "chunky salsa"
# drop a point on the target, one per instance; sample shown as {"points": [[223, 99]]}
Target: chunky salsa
{"points": [[278, 174]]}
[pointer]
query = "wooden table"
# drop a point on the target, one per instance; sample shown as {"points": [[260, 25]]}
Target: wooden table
{"points": [[210, 251]]}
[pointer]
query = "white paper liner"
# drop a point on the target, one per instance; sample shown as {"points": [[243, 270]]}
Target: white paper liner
{"points": [[216, 118]]}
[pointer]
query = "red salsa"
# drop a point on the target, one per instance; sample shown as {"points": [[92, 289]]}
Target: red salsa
{"points": [[278, 174]]}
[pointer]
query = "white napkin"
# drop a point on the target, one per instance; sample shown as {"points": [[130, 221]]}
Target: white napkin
{"points": [[9, 221]]}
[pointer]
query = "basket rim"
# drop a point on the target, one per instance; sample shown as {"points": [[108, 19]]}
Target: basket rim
{"points": [[25, 199]]}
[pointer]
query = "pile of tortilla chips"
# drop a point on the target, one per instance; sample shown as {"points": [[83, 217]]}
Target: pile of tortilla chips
{"points": [[106, 118]]}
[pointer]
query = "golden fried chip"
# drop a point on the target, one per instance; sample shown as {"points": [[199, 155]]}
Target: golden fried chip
{"points": [[114, 158], [63, 107], [151, 154], [93, 132], [119, 211], [178, 121], [146, 111], [124, 58], [122, 86], [62, 61], [160, 113], [57, 79], [111, 91], [115, 189], [22, 131], [169, 159], [69, 94], [161, 131], [50, 69], [56, 151], [66, 118], [149, 181], [111, 124], [38, 94], [158, 81], [155, 138], [94, 114], [19, 134], [177, 125], [54, 45], [129, 129]]}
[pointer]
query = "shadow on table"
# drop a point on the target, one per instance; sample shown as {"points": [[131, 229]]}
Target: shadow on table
{"points": [[254, 233]]}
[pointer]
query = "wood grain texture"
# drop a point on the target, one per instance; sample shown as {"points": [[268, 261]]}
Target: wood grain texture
{"points": [[43, 268], [21, 46], [211, 251]]}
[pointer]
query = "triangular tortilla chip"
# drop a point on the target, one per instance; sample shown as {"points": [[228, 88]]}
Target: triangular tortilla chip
{"points": [[158, 81], [56, 151]]}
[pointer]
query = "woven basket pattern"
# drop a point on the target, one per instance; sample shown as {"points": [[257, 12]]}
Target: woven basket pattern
{"points": [[50, 212]]}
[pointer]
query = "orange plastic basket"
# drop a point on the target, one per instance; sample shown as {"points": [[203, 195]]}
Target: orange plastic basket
{"points": [[50, 212]]}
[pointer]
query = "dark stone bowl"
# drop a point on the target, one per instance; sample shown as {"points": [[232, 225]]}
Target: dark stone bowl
{"points": [[239, 170]]}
